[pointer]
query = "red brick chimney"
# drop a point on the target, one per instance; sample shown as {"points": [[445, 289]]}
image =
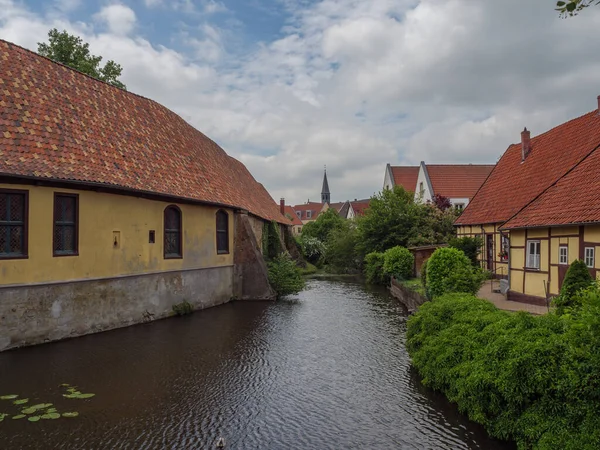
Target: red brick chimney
{"points": [[282, 206], [525, 143]]}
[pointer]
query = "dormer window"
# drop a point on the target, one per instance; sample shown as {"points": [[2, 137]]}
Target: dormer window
{"points": [[308, 214]]}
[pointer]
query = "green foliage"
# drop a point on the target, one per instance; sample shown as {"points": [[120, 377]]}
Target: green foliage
{"points": [[284, 276], [183, 308], [326, 223], [271, 240], [449, 270], [470, 246], [374, 268], [424, 277], [308, 270], [393, 218], [398, 262], [73, 52], [312, 249], [570, 8], [341, 254], [414, 285], [577, 278], [532, 379]]}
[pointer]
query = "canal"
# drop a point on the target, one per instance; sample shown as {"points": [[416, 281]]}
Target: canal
{"points": [[325, 370]]}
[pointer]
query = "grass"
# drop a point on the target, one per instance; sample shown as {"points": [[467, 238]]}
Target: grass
{"points": [[414, 284]]}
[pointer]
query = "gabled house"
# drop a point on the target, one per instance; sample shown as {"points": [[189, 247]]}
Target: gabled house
{"points": [[457, 182], [359, 207], [405, 176], [344, 209], [292, 216], [113, 209], [538, 210]]}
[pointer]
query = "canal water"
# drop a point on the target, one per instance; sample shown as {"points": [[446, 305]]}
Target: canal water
{"points": [[325, 370]]}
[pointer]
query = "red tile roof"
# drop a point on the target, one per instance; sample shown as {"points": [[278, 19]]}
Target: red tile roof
{"points": [[514, 183], [311, 206], [571, 200], [291, 214], [405, 176], [59, 124], [360, 206], [457, 180]]}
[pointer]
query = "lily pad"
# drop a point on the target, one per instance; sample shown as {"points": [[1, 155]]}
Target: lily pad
{"points": [[51, 410], [20, 401], [20, 416], [65, 385], [51, 416], [78, 395], [2, 416], [35, 408], [70, 414], [9, 397], [33, 418]]}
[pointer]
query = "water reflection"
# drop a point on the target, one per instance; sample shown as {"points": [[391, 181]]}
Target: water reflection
{"points": [[326, 371]]}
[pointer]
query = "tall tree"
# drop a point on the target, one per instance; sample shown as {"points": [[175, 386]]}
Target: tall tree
{"points": [[573, 7], [71, 51]]}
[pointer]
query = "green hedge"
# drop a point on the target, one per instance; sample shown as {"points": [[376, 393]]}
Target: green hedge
{"points": [[398, 263], [374, 268], [285, 276], [532, 379], [449, 270]]}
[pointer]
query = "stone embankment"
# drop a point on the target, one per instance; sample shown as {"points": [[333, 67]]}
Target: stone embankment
{"points": [[409, 298]]}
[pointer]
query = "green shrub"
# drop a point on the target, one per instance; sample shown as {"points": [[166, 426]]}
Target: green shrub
{"points": [[284, 276], [183, 308], [424, 275], [398, 262], [470, 246], [532, 379], [374, 269], [577, 278], [449, 270], [308, 270], [340, 252], [271, 240], [312, 248]]}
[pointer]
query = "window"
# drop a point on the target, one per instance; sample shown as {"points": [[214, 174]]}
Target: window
{"points": [[421, 190], [173, 248], [589, 256], [299, 214], [222, 232], [13, 224], [308, 214], [459, 206], [66, 233], [152, 236], [563, 254], [505, 248], [533, 254]]}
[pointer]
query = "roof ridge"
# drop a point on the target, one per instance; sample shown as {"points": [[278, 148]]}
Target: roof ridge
{"points": [[594, 111], [456, 165]]}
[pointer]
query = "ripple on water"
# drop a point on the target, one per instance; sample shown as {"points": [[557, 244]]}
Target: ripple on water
{"points": [[327, 370]]}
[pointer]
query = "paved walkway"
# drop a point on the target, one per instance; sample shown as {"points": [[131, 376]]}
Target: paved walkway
{"points": [[500, 301]]}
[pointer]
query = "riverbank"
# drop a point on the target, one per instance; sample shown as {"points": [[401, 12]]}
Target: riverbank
{"points": [[532, 379]]}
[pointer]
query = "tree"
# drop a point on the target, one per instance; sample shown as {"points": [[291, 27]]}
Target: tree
{"points": [[470, 246], [71, 51], [323, 226], [573, 7], [443, 203]]}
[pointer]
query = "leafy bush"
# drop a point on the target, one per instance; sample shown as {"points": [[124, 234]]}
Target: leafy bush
{"points": [[271, 240], [321, 228], [398, 262], [308, 270], [424, 277], [470, 246], [340, 252], [183, 308], [577, 278], [532, 379], [284, 276], [374, 268], [312, 248], [449, 270]]}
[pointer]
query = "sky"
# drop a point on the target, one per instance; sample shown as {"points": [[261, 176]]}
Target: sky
{"points": [[291, 86]]}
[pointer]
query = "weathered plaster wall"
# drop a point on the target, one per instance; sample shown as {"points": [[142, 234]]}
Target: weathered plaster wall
{"points": [[101, 215], [257, 225], [42, 313]]}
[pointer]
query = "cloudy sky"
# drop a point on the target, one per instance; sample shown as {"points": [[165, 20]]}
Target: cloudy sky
{"points": [[288, 86]]}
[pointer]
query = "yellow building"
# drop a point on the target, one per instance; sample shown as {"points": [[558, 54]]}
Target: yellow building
{"points": [[538, 211], [113, 209]]}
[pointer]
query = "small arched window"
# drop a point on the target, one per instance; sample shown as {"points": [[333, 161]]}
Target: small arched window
{"points": [[173, 232], [222, 232]]}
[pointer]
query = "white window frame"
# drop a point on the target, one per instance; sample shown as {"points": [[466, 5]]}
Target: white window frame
{"points": [[299, 214], [589, 256], [459, 206], [563, 258], [421, 189], [533, 258], [308, 214]]}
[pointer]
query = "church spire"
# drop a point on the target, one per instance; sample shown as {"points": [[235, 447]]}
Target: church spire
{"points": [[325, 194]]}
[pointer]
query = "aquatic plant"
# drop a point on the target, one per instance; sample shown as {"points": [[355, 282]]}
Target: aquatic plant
{"points": [[183, 308]]}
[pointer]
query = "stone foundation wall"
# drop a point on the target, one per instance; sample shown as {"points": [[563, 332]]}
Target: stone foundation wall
{"points": [[42, 313], [409, 298]]}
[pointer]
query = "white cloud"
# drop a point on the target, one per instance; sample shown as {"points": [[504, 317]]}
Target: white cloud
{"points": [[119, 19], [354, 84]]}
